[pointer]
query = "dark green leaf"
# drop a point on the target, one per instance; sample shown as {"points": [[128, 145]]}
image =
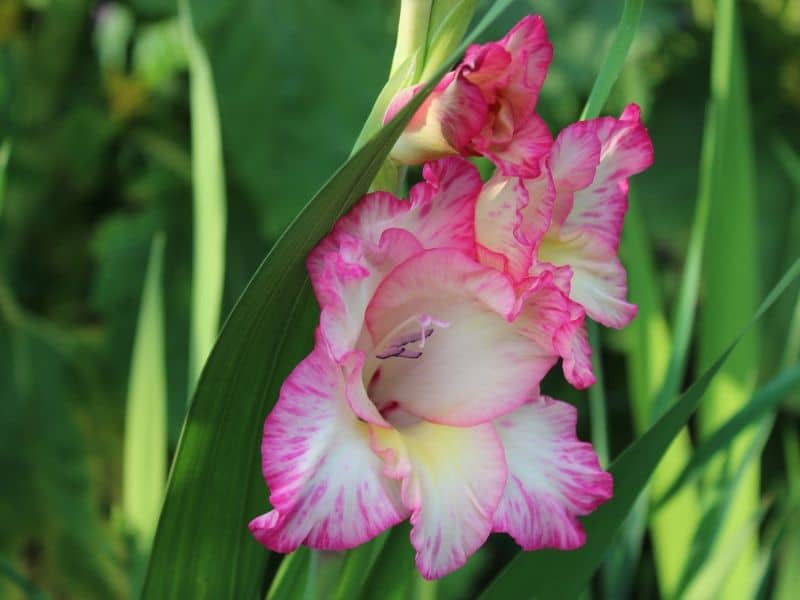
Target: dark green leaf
{"points": [[290, 580]]}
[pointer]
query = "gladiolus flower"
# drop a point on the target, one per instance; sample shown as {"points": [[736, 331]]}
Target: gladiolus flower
{"points": [[485, 106], [568, 220], [421, 397]]}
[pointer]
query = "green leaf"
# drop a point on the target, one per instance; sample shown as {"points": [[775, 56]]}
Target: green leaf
{"points": [[356, 567], [322, 573], [649, 354], [202, 547], [290, 580], [709, 583], [5, 151], [558, 574], [688, 292], [767, 398], [731, 279], [208, 175], [145, 444], [394, 570], [788, 578], [615, 59], [702, 573], [7, 571]]}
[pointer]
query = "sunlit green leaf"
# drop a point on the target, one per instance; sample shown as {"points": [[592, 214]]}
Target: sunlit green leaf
{"points": [[210, 213], [767, 398], [731, 280], [145, 450]]}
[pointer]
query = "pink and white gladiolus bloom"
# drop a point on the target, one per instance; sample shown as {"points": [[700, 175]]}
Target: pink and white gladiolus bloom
{"points": [[421, 397], [485, 106], [568, 220]]}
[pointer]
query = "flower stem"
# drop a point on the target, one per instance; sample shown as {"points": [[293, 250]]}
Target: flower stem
{"points": [[597, 399], [412, 30]]}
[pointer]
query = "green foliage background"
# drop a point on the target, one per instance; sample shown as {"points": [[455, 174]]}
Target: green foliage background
{"points": [[99, 138]]}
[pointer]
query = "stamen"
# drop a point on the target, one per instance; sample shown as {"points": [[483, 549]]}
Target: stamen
{"points": [[398, 348]]}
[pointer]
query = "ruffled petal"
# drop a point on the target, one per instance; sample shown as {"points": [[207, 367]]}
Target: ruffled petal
{"points": [[552, 477], [510, 73], [452, 480], [598, 278], [441, 211], [521, 155], [511, 217], [552, 320], [573, 161], [346, 272], [498, 217], [381, 232], [513, 68], [488, 67], [626, 149], [447, 348], [589, 210], [531, 53], [326, 484], [537, 214], [572, 345], [575, 156]]}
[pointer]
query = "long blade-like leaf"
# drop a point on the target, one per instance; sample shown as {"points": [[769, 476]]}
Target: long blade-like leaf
{"points": [[394, 571], [290, 580], [5, 150], [564, 574], [731, 278], [202, 547], [649, 354], [764, 400], [615, 58], [356, 567], [209, 211], [145, 450]]}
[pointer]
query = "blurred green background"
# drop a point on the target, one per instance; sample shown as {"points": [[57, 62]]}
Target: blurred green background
{"points": [[95, 122]]}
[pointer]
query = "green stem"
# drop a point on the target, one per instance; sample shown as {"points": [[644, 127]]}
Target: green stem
{"points": [[597, 398], [412, 32]]}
